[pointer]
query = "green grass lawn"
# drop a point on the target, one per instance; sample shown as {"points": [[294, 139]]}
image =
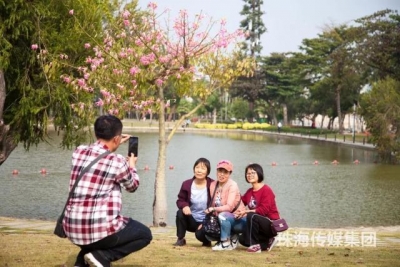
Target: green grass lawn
{"points": [[42, 248]]}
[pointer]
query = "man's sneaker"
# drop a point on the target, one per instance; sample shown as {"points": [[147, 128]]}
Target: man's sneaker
{"points": [[94, 259], [254, 249], [180, 242], [271, 243], [234, 241], [222, 246]]}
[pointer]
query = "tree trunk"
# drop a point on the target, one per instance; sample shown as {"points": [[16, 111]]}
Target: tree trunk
{"points": [[7, 144], [214, 115], [251, 109], [274, 118], [2, 94], [160, 193], [330, 123], [339, 110], [172, 111], [322, 121], [285, 116]]}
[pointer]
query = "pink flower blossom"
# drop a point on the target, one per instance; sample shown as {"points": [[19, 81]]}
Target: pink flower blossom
{"points": [[81, 82], [86, 76], [165, 59], [138, 42], [147, 59], [126, 14], [34, 46], [152, 5], [223, 21], [159, 82], [126, 22], [87, 45], [100, 102], [105, 93], [71, 12], [66, 79], [134, 70]]}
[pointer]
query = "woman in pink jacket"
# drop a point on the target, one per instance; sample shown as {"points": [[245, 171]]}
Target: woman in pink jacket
{"points": [[226, 201]]}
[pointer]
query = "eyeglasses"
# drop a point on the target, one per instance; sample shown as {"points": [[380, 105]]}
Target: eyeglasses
{"points": [[251, 173]]}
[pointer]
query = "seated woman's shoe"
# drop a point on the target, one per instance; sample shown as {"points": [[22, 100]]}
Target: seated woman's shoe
{"points": [[180, 242]]}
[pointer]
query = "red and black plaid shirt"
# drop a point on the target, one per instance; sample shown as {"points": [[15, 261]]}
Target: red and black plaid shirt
{"points": [[93, 212]]}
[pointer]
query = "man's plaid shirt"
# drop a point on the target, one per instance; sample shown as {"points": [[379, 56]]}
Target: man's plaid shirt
{"points": [[93, 212]]}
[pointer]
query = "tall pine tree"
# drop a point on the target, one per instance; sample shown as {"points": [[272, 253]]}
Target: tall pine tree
{"points": [[253, 25], [249, 87]]}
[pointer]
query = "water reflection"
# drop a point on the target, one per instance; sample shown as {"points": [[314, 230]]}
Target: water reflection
{"points": [[308, 195]]}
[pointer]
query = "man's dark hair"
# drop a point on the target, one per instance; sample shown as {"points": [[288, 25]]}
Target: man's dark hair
{"points": [[258, 169], [206, 162], [107, 127]]}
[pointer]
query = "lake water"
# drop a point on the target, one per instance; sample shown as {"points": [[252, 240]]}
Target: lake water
{"points": [[307, 195]]}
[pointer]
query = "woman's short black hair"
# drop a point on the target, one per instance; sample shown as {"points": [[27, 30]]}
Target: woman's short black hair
{"points": [[206, 162], [107, 127], [258, 169]]}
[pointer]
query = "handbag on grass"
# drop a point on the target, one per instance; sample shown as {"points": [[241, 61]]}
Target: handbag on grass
{"points": [[211, 226], [279, 225], [59, 229]]}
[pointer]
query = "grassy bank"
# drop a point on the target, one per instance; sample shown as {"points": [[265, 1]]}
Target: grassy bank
{"points": [[42, 248]]}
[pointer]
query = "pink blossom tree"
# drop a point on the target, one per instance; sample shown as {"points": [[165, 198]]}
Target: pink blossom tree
{"points": [[140, 58]]}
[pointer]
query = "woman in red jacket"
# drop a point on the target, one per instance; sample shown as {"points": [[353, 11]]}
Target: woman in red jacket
{"points": [[193, 198], [260, 200]]}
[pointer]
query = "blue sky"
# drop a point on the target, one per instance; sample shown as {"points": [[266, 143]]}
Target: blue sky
{"points": [[288, 22]]}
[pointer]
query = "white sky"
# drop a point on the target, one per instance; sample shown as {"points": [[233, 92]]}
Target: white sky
{"points": [[288, 22]]}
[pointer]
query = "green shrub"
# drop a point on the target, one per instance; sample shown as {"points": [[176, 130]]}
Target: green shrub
{"points": [[255, 126]]}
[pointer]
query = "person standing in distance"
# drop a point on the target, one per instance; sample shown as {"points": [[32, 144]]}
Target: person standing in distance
{"points": [[279, 127], [93, 219]]}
